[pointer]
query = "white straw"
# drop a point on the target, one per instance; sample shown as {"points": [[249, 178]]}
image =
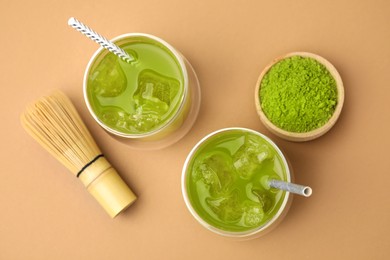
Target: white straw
{"points": [[79, 26], [291, 187]]}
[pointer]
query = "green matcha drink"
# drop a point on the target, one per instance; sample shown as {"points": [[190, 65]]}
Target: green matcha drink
{"points": [[142, 98], [225, 182]]}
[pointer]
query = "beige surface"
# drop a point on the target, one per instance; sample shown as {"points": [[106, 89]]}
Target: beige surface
{"points": [[46, 213]]}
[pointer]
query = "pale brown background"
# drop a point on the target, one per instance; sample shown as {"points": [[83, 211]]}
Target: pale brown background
{"points": [[47, 214]]}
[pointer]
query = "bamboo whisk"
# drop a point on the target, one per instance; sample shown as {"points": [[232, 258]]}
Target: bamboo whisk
{"points": [[54, 122]]}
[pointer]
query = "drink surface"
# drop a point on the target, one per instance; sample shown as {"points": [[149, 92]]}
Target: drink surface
{"points": [[137, 97], [227, 181]]}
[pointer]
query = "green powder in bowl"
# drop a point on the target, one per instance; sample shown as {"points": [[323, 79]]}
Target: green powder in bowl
{"points": [[298, 94]]}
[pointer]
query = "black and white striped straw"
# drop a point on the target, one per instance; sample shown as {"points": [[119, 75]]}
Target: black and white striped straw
{"points": [[79, 26]]}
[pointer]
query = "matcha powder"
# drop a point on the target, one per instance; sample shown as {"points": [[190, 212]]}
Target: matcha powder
{"points": [[298, 94]]}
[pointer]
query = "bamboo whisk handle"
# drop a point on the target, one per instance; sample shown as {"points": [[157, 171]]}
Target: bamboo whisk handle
{"points": [[107, 187]]}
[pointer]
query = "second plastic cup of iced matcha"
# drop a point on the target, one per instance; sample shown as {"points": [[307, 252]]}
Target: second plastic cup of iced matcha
{"points": [[225, 183], [151, 101]]}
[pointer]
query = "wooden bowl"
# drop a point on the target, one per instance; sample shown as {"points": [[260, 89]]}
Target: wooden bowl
{"points": [[305, 136]]}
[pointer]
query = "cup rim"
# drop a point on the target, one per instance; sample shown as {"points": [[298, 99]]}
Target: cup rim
{"points": [[315, 133], [182, 101], [233, 234]]}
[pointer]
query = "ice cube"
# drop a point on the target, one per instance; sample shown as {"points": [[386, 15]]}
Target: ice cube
{"points": [[227, 208], [152, 106], [152, 98], [249, 192], [110, 116], [152, 85], [115, 117], [220, 164], [250, 156], [253, 214], [244, 164], [265, 200], [108, 79], [142, 122], [207, 175], [262, 156]]}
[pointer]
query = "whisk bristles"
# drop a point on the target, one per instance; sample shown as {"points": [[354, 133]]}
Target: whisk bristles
{"points": [[55, 124]]}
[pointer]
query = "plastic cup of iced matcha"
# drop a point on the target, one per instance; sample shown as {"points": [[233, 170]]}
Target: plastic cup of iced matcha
{"points": [[225, 183], [151, 101]]}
